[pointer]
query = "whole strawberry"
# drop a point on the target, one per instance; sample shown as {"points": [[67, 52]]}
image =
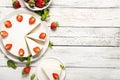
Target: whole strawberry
{"points": [[26, 70], [40, 3], [54, 25], [16, 4]]}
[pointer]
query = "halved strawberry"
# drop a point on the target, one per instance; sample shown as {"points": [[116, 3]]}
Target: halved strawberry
{"points": [[4, 33], [8, 24], [26, 70], [32, 20], [21, 52], [8, 46], [42, 35], [55, 76], [19, 18], [36, 50]]}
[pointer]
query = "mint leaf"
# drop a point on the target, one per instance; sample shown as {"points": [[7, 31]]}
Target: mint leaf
{"points": [[62, 67], [28, 60], [50, 44], [11, 64], [21, 59], [32, 77]]}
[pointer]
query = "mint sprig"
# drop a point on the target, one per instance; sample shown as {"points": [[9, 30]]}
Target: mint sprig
{"points": [[44, 14], [50, 44], [62, 67]]}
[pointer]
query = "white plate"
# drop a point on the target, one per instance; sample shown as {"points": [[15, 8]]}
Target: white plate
{"points": [[45, 46], [47, 62], [36, 8]]}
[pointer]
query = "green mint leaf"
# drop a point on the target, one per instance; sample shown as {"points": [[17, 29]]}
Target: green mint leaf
{"points": [[43, 17], [32, 77], [11, 64], [21, 59], [50, 44], [28, 60], [62, 67]]}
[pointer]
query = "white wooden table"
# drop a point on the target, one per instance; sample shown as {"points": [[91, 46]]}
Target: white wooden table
{"points": [[87, 40]]}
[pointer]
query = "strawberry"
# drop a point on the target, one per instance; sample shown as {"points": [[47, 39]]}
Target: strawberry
{"points": [[26, 70], [21, 52], [19, 18], [16, 4], [55, 76], [4, 34], [8, 24], [36, 50], [32, 20], [8, 46], [54, 25], [42, 35], [40, 3]]}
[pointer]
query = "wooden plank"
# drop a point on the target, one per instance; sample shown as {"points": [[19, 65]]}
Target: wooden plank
{"points": [[71, 74], [85, 36], [78, 17], [92, 74], [86, 57], [75, 3]]}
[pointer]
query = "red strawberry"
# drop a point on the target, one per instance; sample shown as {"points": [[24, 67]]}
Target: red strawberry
{"points": [[8, 46], [40, 3], [21, 52], [16, 4], [19, 18], [42, 35], [4, 34], [55, 76], [54, 25], [32, 20], [36, 50], [8, 24], [26, 70]]}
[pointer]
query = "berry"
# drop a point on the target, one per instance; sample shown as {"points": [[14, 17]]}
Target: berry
{"points": [[19, 18], [8, 24], [54, 25], [36, 50], [16, 4], [32, 20], [4, 34], [8, 46], [21, 52], [42, 35]]}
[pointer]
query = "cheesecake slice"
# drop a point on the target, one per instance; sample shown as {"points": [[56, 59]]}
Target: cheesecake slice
{"points": [[52, 73], [34, 47]]}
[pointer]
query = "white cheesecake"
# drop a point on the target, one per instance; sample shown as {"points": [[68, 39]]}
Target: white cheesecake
{"points": [[50, 72], [34, 47], [17, 33]]}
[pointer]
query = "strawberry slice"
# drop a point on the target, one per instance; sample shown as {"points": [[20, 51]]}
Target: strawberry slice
{"points": [[42, 35], [16, 4], [8, 24], [32, 20], [8, 46], [55, 76], [4, 34], [36, 50], [26, 70], [21, 52], [19, 18]]}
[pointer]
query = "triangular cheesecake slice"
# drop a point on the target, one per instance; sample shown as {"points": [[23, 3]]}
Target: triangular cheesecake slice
{"points": [[33, 47], [52, 73], [39, 36]]}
